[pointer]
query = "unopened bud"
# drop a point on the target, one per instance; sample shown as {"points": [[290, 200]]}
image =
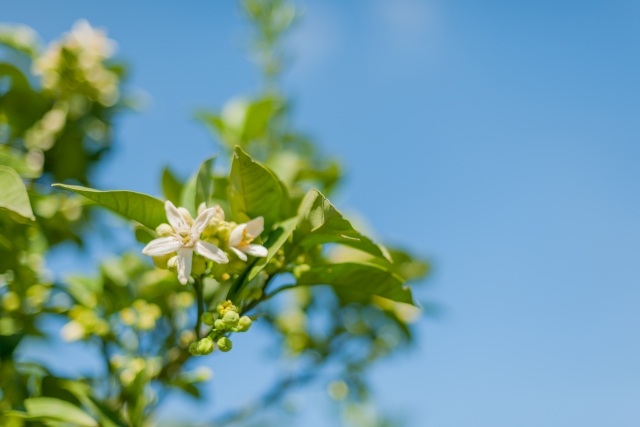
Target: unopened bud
{"points": [[193, 349], [224, 344], [220, 325], [207, 318], [237, 266], [299, 270], [162, 261], [172, 264], [198, 265], [224, 231], [205, 346], [164, 230], [244, 324], [231, 318]]}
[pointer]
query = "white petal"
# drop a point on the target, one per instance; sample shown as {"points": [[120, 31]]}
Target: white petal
{"points": [[255, 250], [185, 256], [201, 222], [186, 215], [212, 252], [162, 246], [219, 212], [256, 226], [175, 219], [240, 254], [236, 235], [202, 208]]}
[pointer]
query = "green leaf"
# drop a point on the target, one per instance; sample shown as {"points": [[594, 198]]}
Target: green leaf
{"points": [[144, 235], [199, 188], [50, 408], [15, 159], [321, 222], [254, 190], [276, 239], [171, 186], [13, 193], [145, 209], [360, 280]]}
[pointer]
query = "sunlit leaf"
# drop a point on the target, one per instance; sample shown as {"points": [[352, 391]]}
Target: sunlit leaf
{"points": [[276, 239], [13, 194], [199, 188], [254, 191], [321, 222], [359, 279], [16, 160], [58, 410], [145, 209]]}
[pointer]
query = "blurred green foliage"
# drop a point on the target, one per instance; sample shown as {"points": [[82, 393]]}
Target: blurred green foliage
{"points": [[56, 118]]}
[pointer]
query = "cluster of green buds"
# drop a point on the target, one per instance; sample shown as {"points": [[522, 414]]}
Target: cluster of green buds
{"points": [[141, 315], [227, 320], [84, 322]]}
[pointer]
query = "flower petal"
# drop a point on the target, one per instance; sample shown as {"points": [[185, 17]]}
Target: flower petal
{"points": [[201, 222], [255, 250], [185, 256], [256, 226], [236, 235], [240, 254], [211, 252], [162, 246], [202, 208], [176, 220]]}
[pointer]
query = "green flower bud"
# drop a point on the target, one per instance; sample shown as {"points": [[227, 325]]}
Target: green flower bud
{"points": [[198, 265], [162, 261], [224, 306], [299, 270], [237, 266], [193, 349], [244, 324], [164, 230], [172, 264], [224, 344], [220, 325], [205, 346], [207, 318], [224, 231], [231, 318]]}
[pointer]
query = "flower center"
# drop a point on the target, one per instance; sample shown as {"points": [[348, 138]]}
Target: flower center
{"points": [[246, 238], [185, 238]]}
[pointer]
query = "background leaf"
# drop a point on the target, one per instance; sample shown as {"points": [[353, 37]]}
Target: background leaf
{"points": [[13, 193], [199, 188], [145, 209], [360, 280], [58, 410], [171, 186], [254, 191], [321, 222]]}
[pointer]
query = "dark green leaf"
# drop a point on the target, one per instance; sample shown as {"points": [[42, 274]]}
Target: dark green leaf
{"points": [[321, 222], [359, 279], [145, 209], [199, 188], [254, 191]]}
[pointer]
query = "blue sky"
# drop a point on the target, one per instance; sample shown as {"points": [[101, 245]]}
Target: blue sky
{"points": [[498, 138]]}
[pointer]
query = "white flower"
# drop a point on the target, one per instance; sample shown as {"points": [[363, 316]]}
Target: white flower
{"points": [[185, 240], [242, 236]]}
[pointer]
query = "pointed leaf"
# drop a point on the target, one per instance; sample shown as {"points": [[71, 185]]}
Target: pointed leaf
{"points": [[254, 190], [359, 279], [145, 209], [15, 159], [276, 239], [13, 193], [171, 186], [199, 188], [50, 408], [321, 222]]}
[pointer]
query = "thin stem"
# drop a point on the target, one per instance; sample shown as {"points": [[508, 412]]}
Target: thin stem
{"points": [[197, 285]]}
